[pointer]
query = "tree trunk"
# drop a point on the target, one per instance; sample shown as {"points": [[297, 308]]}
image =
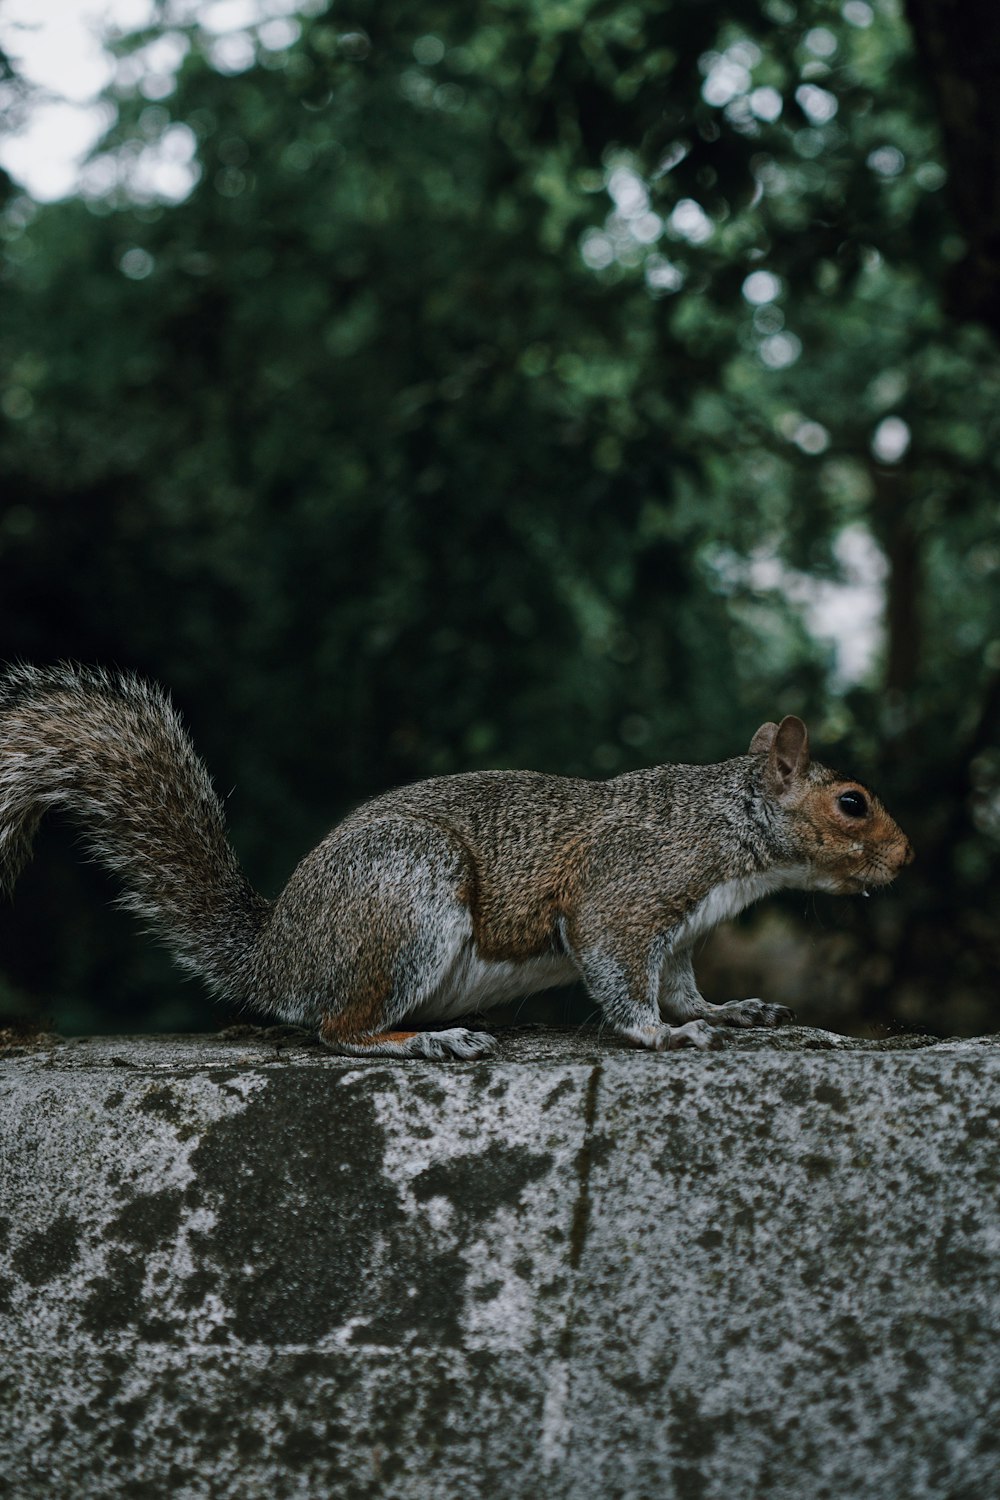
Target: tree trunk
{"points": [[958, 46]]}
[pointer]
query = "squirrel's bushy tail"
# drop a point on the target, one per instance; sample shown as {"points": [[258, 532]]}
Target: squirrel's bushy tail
{"points": [[111, 750]]}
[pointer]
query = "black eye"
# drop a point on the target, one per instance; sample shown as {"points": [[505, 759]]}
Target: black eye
{"points": [[853, 804]]}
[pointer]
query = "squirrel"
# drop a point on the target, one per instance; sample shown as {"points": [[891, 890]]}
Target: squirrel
{"points": [[444, 898]]}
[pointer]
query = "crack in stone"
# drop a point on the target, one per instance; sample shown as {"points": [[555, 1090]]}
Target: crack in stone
{"points": [[557, 1427], [584, 1163]]}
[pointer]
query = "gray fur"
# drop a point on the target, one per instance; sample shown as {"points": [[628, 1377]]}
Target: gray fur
{"points": [[444, 897]]}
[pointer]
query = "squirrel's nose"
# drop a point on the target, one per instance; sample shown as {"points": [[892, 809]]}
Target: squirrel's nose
{"points": [[909, 856]]}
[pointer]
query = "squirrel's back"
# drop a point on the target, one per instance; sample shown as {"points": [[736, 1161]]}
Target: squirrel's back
{"points": [[528, 841]]}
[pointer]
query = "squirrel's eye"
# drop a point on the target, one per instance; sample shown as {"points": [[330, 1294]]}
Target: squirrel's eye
{"points": [[853, 804]]}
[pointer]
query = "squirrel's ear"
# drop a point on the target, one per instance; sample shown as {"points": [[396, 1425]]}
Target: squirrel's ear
{"points": [[763, 739], [789, 752]]}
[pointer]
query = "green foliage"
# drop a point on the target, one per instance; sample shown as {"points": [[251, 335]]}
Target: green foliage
{"points": [[439, 426]]}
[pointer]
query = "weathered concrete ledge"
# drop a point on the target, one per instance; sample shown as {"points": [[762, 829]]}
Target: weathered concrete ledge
{"points": [[235, 1266]]}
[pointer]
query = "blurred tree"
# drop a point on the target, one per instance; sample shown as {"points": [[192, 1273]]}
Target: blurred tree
{"points": [[414, 389], [959, 62]]}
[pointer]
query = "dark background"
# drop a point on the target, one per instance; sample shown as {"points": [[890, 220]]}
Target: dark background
{"points": [[438, 428]]}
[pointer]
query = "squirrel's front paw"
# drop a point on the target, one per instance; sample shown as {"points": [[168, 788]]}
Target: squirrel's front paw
{"points": [[668, 1038], [753, 1013], [692, 1034]]}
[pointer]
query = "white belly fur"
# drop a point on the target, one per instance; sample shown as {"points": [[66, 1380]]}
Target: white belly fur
{"points": [[731, 897], [473, 983]]}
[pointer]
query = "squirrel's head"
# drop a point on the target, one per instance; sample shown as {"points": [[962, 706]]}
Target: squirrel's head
{"points": [[835, 825]]}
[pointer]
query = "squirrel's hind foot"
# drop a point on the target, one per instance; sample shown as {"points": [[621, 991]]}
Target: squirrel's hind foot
{"points": [[456, 1041]]}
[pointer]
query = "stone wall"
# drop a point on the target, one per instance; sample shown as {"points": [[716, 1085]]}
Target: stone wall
{"points": [[239, 1267]]}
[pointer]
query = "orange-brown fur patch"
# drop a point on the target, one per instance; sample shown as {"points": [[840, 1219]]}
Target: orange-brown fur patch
{"points": [[516, 917], [333, 1030]]}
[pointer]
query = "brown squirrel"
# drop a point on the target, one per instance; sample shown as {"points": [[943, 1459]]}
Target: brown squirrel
{"points": [[447, 897]]}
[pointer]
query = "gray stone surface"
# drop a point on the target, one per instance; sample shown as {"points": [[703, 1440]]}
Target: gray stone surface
{"points": [[236, 1266]]}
